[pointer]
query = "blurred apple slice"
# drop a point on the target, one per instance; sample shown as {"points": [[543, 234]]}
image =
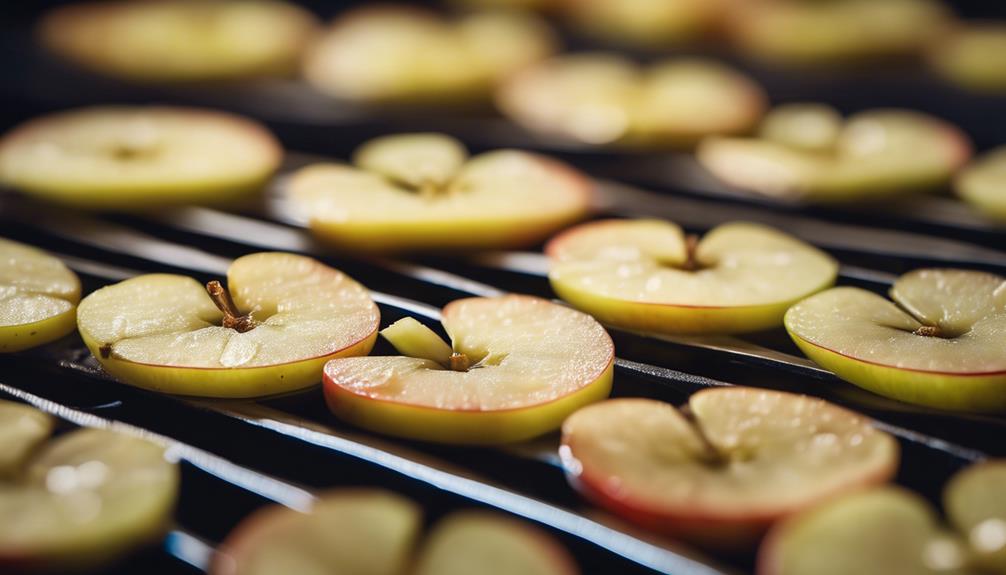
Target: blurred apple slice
{"points": [[975, 504], [22, 430], [724, 468], [599, 98], [38, 297], [138, 157], [520, 366], [983, 183], [283, 317], [404, 53], [180, 40], [646, 23], [968, 54], [415, 192], [875, 154], [82, 499], [940, 343], [874, 532], [646, 275]]}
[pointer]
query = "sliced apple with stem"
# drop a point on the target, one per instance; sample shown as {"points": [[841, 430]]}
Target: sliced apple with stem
{"points": [[967, 56], [38, 297], [600, 98], [416, 192], [82, 499], [939, 343], [983, 183], [975, 504], [721, 470], [649, 276], [875, 154], [180, 40], [374, 532], [138, 157], [280, 319], [519, 365]]}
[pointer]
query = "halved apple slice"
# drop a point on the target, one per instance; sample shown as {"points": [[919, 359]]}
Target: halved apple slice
{"points": [[967, 56], [415, 192], [975, 503], [38, 297], [602, 98], [138, 157], [288, 316], [403, 53], [82, 499], [646, 275], [983, 183], [520, 366], [940, 344], [22, 430], [180, 40], [721, 470]]}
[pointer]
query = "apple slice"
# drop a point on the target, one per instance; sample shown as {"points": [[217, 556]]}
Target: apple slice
{"points": [[374, 532], [520, 366], [38, 297], [414, 339], [646, 275], [82, 499], [721, 470], [967, 56], [404, 53], [284, 317], [416, 192], [875, 532], [22, 430], [138, 157], [983, 183], [875, 154], [599, 98], [940, 344], [180, 40], [646, 23], [975, 504]]}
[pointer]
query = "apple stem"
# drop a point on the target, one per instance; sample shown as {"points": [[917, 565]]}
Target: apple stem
{"points": [[929, 331], [691, 246], [460, 362], [233, 318]]}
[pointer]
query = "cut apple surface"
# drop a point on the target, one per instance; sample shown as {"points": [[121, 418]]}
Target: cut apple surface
{"points": [[975, 504], [875, 154], [599, 98], [519, 366], [81, 499], [983, 184], [939, 343], [648, 23], [38, 297], [647, 275], [138, 157], [719, 471], [22, 430], [180, 40], [416, 192], [403, 53], [283, 317], [968, 56], [373, 532]]}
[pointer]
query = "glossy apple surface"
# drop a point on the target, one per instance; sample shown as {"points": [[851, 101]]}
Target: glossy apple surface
{"points": [[180, 40], [974, 501], [719, 472], [38, 297], [600, 98], [939, 343], [163, 332], [421, 192], [138, 157], [876, 154], [983, 184], [525, 364], [645, 275]]}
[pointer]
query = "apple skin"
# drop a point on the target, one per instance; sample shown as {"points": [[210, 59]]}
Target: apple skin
{"points": [[977, 392]]}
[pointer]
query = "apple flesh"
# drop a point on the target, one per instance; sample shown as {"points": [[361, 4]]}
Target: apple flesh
{"points": [[875, 154], [719, 472], [130, 158], [413, 339], [983, 184], [646, 275], [165, 333], [975, 505], [22, 430], [180, 40], [940, 343], [38, 297], [967, 57], [599, 98], [647, 23], [405, 54], [421, 192], [82, 499], [520, 366]]}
